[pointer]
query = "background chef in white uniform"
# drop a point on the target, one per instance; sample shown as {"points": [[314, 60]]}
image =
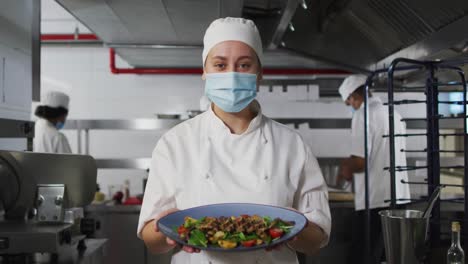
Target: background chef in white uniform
{"points": [[52, 115], [352, 91], [233, 153]]}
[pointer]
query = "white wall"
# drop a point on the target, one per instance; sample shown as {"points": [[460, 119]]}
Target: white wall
{"points": [[83, 73]]}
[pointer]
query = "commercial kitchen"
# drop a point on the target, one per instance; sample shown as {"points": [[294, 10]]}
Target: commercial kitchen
{"points": [[295, 131]]}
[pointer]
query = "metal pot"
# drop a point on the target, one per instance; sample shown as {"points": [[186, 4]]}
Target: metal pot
{"points": [[405, 235], [330, 174]]}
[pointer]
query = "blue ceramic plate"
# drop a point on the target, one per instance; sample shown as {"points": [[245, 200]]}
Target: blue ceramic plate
{"points": [[166, 224]]}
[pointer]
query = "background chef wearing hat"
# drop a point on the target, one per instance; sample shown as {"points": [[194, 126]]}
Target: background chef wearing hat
{"points": [[233, 153], [52, 114], [352, 91]]}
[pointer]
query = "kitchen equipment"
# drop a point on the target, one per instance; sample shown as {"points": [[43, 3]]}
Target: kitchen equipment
{"points": [[330, 174], [168, 116], [42, 196], [432, 200], [405, 234]]}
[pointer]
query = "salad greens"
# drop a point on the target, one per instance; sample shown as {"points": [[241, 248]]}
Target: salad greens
{"points": [[231, 232]]}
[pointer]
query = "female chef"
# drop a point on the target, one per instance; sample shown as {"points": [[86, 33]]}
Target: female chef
{"points": [[52, 114], [233, 153]]}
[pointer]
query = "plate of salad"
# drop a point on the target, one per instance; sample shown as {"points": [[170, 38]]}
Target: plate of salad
{"points": [[232, 227]]}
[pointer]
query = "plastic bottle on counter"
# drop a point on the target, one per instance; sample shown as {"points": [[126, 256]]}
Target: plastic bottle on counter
{"points": [[126, 189], [130, 200], [99, 197], [455, 254]]}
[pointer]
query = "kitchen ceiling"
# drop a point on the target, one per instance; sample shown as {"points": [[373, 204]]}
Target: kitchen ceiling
{"points": [[358, 35], [173, 22]]}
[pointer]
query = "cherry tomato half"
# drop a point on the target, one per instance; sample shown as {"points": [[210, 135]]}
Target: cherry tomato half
{"points": [[275, 232], [249, 243], [181, 230]]}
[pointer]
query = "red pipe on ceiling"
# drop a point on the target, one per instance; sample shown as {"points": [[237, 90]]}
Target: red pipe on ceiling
{"points": [[64, 37], [197, 71]]}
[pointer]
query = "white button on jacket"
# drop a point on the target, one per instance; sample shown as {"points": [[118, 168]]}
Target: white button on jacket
{"points": [[200, 162], [379, 155], [48, 139]]}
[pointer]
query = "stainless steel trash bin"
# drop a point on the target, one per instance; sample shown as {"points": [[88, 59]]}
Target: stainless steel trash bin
{"points": [[405, 235]]}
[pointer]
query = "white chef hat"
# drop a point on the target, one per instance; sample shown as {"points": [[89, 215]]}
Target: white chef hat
{"points": [[56, 99], [350, 84], [232, 28]]}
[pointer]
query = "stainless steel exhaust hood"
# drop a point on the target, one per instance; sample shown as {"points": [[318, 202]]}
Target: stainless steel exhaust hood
{"points": [[364, 33]]}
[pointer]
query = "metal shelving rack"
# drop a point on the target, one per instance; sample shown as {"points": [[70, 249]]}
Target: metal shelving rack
{"points": [[432, 126]]}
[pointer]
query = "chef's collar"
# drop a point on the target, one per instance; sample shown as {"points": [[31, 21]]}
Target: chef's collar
{"points": [[254, 123], [374, 99], [371, 100], [46, 122]]}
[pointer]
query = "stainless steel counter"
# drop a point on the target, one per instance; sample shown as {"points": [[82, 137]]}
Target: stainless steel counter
{"points": [[114, 209], [92, 254]]}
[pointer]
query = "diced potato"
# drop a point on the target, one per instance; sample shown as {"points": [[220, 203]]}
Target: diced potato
{"points": [[259, 242], [219, 235], [257, 218], [188, 218], [227, 244], [188, 221], [263, 236]]}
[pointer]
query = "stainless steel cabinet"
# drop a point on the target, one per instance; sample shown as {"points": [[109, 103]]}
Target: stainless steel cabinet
{"points": [[17, 30], [119, 225]]}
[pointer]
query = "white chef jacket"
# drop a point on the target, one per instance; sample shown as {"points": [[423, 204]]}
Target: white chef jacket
{"points": [[379, 156], [201, 162], [48, 139]]}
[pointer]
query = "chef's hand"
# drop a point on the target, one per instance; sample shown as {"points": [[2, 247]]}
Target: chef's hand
{"points": [[169, 241], [281, 245], [345, 172], [308, 241]]}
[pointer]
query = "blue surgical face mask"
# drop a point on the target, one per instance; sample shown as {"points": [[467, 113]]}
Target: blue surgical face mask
{"points": [[231, 91], [59, 125]]}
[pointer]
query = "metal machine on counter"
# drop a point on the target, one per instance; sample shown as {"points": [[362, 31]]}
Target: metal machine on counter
{"points": [[41, 203]]}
